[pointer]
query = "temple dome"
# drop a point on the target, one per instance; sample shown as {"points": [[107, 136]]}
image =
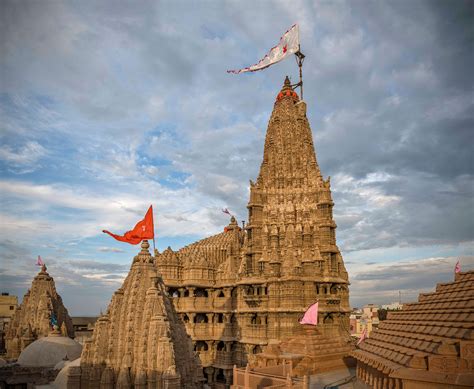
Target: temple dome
{"points": [[48, 351], [62, 377]]}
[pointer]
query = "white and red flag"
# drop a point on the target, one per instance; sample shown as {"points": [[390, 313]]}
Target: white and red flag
{"points": [[39, 261], [289, 44], [363, 336], [311, 315], [457, 268]]}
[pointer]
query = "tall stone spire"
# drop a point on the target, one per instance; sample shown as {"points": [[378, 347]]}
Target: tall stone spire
{"points": [[139, 342], [289, 160], [291, 228], [32, 320], [290, 245]]}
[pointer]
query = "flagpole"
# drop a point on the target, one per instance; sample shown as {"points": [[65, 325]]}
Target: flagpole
{"points": [[299, 60]]}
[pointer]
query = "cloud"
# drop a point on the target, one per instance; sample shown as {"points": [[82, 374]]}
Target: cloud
{"points": [[381, 283], [23, 159], [110, 250], [107, 108]]}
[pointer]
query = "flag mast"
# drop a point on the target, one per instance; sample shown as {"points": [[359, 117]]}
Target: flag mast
{"points": [[299, 60]]}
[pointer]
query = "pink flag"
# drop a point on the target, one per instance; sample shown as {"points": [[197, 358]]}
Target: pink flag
{"points": [[39, 261], [311, 315], [457, 268], [225, 210], [363, 336], [289, 44]]}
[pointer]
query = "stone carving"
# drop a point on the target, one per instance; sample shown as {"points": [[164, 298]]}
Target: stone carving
{"points": [[140, 341], [241, 290], [32, 320]]}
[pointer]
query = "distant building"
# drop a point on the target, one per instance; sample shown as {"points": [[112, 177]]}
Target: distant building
{"points": [[83, 327], [8, 306], [396, 306], [367, 317]]}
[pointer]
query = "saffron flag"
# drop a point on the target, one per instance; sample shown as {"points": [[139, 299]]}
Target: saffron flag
{"points": [[457, 268], [289, 44], [39, 261], [144, 229], [311, 315], [363, 336]]}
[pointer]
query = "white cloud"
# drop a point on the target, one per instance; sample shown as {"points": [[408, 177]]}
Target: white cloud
{"points": [[24, 158]]}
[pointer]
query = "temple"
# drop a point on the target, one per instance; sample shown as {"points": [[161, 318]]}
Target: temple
{"points": [[32, 320], [241, 293], [140, 341]]}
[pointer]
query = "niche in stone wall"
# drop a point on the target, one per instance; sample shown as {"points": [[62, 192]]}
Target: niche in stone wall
{"points": [[201, 346], [200, 318], [173, 292], [221, 346], [200, 292]]}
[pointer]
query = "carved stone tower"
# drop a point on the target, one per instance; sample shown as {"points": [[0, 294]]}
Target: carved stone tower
{"points": [[291, 246], [239, 292], [139, 342], [32, 320]]}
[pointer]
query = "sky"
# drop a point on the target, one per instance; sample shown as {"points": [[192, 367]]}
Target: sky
{"points": [[107, 107]]}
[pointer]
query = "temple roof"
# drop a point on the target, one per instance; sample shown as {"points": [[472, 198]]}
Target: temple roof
{"points": [[141, 335], [49, 350], [430, 335]]}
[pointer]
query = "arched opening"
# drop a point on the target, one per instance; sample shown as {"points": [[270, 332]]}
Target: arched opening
{"points": [[221, 346], [257, 349], [201, 346], [220, 377], [186, 293], [220, 318], [186, 318], [221, 294], [200, 292], [254, 319], [200, 318], [173, 292]]}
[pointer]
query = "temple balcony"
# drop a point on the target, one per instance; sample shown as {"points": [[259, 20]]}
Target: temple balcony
{"points": [[224, 358], [254, 332], [223, 303], [189, 304], [200, 330], [207, 358], [223, 330]]}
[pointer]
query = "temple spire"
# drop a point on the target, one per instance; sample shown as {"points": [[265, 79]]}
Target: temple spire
{"points": [[289, 159]]}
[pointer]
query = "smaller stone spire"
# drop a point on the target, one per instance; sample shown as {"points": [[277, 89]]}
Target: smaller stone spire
{"points": [[33, 316]]}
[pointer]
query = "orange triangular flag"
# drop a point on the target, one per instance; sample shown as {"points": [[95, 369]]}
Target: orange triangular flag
{"points": [[144, 229]]}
